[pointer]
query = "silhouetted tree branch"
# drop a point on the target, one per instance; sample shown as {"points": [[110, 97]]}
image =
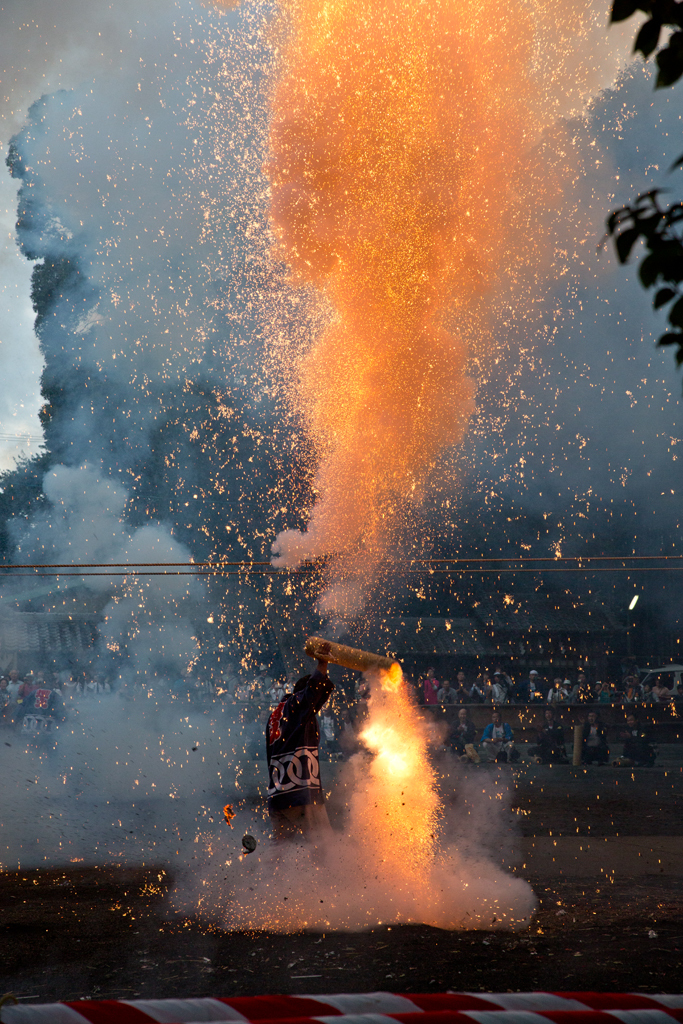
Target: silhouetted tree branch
{"points": [[660, 227]]}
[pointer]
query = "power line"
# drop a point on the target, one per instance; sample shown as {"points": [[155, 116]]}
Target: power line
{"points": [[273, 571], [244, 563]]}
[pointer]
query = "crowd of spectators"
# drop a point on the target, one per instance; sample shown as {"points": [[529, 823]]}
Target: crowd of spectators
{"points": [[498, 687], [497, 741], [255, 693]]}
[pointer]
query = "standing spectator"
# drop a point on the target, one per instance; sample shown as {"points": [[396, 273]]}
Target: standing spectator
{"points": [[244, 691], [361, 709], [499, 691], [276, 693], [661, 693], [328, 737], [581, 693], [347, 736], [71, 688], [498, 741], [534, 687], [638, 749], [461, 738], [484, 684], [4, 701], [446, 694], [468, 693], [263, 682], [14, 686], [557, 694], [594, 744], [29, 685], [430, 688], [550, 746], [519, 692], [605, 695], [633, 691]]}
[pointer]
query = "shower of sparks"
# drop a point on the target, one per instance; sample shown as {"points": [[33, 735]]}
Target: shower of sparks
{"points": [[404, 162]]}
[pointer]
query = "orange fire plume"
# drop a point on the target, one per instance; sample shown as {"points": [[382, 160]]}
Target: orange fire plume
{"points": [[229, 814], [401, 143]]}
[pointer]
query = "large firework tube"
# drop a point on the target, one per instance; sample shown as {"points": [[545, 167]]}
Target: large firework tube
{"points": [[347, 657]]}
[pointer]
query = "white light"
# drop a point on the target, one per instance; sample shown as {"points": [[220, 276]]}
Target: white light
{"points": [[634, 602]]}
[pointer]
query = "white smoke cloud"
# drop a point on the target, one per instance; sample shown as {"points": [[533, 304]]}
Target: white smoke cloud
{"points": [[20, 360]]}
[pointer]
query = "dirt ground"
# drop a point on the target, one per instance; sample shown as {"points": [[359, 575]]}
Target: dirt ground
{"points": [[106, 933], [111, 933]]}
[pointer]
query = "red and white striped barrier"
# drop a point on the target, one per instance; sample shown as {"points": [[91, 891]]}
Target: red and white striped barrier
{"points": [[365, 1008]]}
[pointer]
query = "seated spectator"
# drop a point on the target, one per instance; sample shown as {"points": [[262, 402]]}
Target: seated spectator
{"points": [[648, 696], [461, 737], [446, 694], [497, 740], [499, 690], [638, 749], [594, 742], [550, 747], [558, 693], [430, 688]]}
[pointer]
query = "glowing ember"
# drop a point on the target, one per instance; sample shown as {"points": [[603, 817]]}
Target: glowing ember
{"points": [[229, 814]]}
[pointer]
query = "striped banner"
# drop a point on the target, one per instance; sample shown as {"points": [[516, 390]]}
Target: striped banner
{"points": [[370, 1008], [365, 1008]]}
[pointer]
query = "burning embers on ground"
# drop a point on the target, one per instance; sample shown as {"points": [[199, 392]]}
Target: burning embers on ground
{"points": [[392, 862]]}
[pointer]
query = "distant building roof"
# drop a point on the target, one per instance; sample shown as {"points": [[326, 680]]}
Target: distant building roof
{"points": [[427, 634], [45, 634]]}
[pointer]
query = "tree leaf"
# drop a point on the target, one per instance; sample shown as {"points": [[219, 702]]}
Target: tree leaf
{"points": [[650, 269], [647, 38], [625, 242], [663, 296], [676, 314], [623, 9], [670, 62], [669, 338]]}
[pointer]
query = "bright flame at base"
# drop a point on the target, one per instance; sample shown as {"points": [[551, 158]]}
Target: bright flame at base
{"points": [[400, 802]]}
